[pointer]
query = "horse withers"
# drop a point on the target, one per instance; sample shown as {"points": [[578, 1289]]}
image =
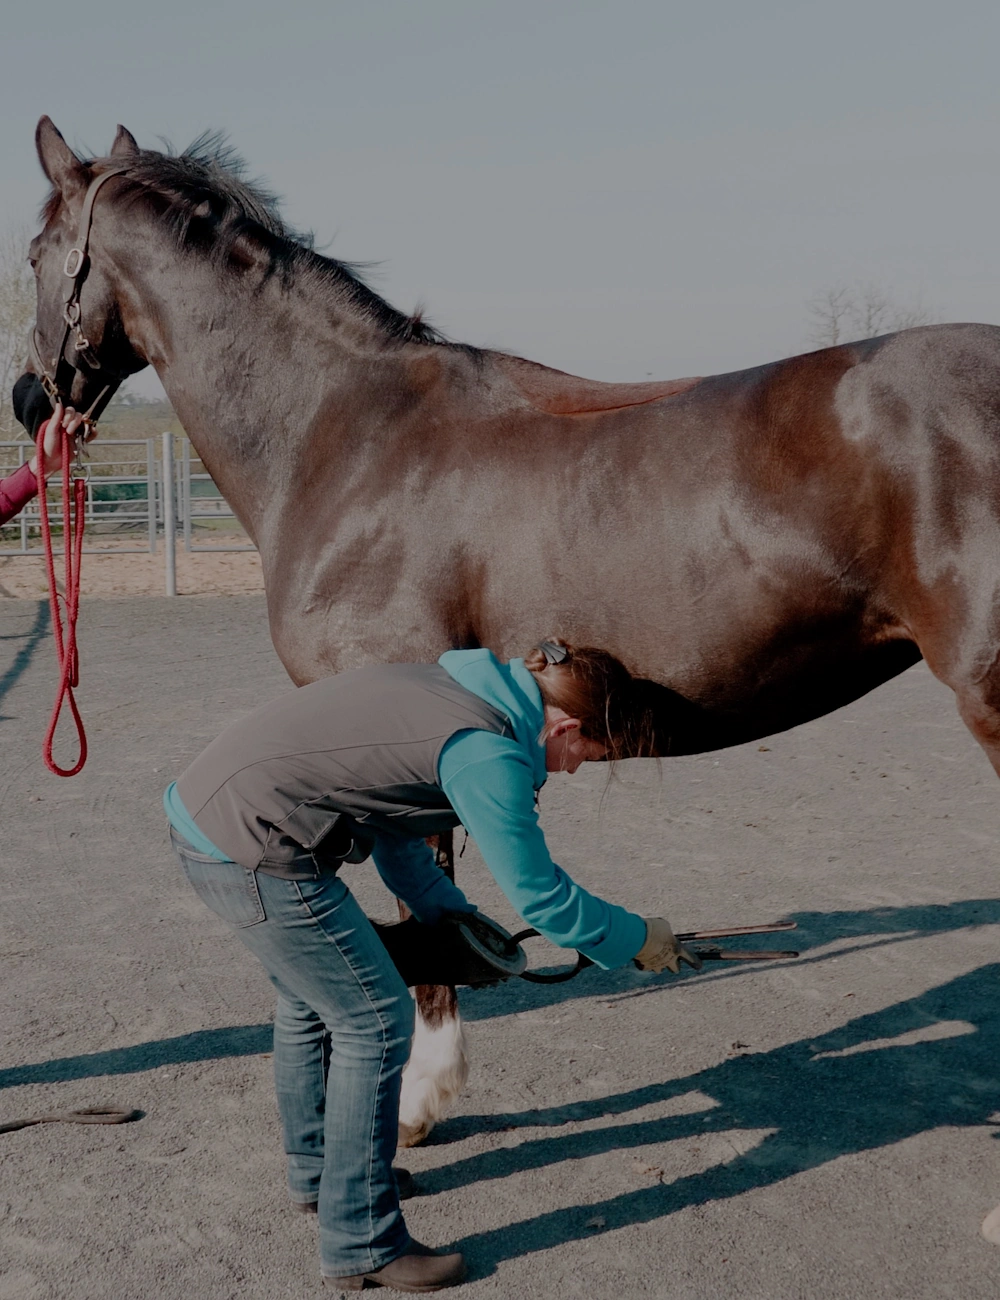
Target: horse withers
{"points": [[763, 546]]}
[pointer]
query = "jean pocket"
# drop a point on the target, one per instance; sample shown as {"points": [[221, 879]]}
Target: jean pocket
{"points": [[227, 888]]}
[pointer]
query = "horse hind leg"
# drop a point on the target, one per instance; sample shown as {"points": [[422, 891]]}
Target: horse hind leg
{"points": [[438, 1066], [979, 707]]}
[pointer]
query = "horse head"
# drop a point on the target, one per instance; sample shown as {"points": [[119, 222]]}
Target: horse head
{"points": [[79, 348]]}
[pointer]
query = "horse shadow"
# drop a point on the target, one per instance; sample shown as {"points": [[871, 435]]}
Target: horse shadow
{"points": [[918, 1065], [876, 927], [184, 1049], [32, 639]]}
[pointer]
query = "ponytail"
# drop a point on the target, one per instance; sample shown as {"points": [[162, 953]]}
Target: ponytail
{"points": [[597, 688]]}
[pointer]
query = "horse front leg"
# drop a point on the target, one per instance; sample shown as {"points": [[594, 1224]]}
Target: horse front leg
{"points": [[438, 1066]]}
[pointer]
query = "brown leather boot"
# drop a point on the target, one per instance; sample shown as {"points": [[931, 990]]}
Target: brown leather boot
{"points": [[420, 1269]]}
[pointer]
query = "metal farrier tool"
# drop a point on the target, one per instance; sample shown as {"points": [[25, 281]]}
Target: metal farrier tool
{"points": [[470, 948]]}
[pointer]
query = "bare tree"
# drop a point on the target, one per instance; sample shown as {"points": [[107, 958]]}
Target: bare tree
{"points": [[860, 311], [17, 311]]}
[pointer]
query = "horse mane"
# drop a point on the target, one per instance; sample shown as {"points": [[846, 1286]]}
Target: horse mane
{"points": [[209, 203]]}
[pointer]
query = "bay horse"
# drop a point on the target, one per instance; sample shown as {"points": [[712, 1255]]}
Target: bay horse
{"points": [[762, 546]]}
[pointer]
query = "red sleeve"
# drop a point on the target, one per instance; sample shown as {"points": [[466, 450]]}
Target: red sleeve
{"points": [[16, 492]]}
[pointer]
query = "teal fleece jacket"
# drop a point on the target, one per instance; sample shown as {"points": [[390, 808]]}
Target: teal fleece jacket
{"points": [[491, 781]]}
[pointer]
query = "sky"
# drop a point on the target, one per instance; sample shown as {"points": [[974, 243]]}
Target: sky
{"points": [[624, 189]]}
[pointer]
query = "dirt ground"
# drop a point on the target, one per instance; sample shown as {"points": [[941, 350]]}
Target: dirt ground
{"points": [[823, 1128], [199, 573]]}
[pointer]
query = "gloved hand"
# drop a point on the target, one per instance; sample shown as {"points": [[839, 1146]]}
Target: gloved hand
{"points": [[661, 951]]}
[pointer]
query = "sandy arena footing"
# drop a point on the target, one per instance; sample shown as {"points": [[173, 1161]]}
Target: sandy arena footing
{"points": [[825, 1128]]}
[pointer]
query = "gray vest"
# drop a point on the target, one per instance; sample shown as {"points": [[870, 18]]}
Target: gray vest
{"points": [[307, 781]]}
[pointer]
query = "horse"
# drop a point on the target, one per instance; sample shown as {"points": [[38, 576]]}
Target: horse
{"points": [[762, 546]]}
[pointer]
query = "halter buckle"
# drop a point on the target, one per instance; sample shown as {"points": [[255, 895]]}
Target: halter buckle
{"points": [[80, 468], [74, 262], [85, 353], [51, 391]]}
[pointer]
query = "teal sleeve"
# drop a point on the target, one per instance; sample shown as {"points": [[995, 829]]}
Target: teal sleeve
{"points": [[408, 870], [488, 781]]}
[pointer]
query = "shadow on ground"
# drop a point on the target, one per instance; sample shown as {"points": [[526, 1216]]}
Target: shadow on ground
{"points": [[816, 929], [203, 1045], [32, 639], [853, 1089], [922, 1064]]}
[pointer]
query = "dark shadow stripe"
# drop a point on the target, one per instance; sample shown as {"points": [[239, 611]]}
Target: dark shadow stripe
{"points": [[816, 1100], [22, 659], [202, 1045]]}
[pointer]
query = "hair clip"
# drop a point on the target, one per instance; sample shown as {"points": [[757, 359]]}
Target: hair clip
{"points": [[553, 652]]}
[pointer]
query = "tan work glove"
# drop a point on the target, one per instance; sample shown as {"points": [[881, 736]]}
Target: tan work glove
{"points": [[661, 951]]}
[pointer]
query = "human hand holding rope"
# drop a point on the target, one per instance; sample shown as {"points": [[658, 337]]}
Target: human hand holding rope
{"points": [[64, 420]]}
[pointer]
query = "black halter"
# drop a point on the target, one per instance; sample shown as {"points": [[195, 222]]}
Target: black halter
{"points": [[57, 377]]}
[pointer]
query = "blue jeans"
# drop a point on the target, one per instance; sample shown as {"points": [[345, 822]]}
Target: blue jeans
{"points": [[341, 1039]]}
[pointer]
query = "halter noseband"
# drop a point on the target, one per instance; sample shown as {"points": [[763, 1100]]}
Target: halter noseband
{"points": [[57, 378]]}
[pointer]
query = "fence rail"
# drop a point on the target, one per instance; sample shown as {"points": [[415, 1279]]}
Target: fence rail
{"points": [[133, 493], [200, 500]]}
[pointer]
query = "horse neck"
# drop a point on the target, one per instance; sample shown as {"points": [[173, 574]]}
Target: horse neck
{"points": [[247, 363]]}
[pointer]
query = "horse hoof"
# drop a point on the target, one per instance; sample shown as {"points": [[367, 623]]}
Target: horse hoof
{"points": [[411, 1135], [991, 1227]]}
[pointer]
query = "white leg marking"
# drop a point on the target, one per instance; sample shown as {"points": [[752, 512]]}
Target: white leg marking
{"points": [[434, 1077], [991, 1227]]}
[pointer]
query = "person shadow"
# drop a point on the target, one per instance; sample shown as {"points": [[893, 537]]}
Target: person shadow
{"points": [[929, 1062]]}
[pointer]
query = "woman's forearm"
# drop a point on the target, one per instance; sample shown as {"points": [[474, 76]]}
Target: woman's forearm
{"points": [[495, 800], [16, 491], [408, 870]]}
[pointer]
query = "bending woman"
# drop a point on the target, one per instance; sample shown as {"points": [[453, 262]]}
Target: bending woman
{"points": [[367, 763]]}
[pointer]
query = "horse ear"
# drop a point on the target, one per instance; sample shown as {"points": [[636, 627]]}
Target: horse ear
{"points": [[125, 145], [59, 163]]}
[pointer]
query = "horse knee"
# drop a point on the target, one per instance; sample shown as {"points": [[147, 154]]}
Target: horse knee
{"points": [[983, 723], [979, 708]]}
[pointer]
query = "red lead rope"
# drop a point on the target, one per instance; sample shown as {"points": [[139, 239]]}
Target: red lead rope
{"points": [[66, 651]]}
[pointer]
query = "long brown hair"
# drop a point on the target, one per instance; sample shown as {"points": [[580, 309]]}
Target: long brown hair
{"points": [[597, 688]]}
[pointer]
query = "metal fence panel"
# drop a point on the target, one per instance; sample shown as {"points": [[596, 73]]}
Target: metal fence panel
{"points": [[120, 500], [199, 499], [126, 499]]}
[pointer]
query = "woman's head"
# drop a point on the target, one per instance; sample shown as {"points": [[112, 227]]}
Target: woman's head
{"points": [[594, 707]]}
